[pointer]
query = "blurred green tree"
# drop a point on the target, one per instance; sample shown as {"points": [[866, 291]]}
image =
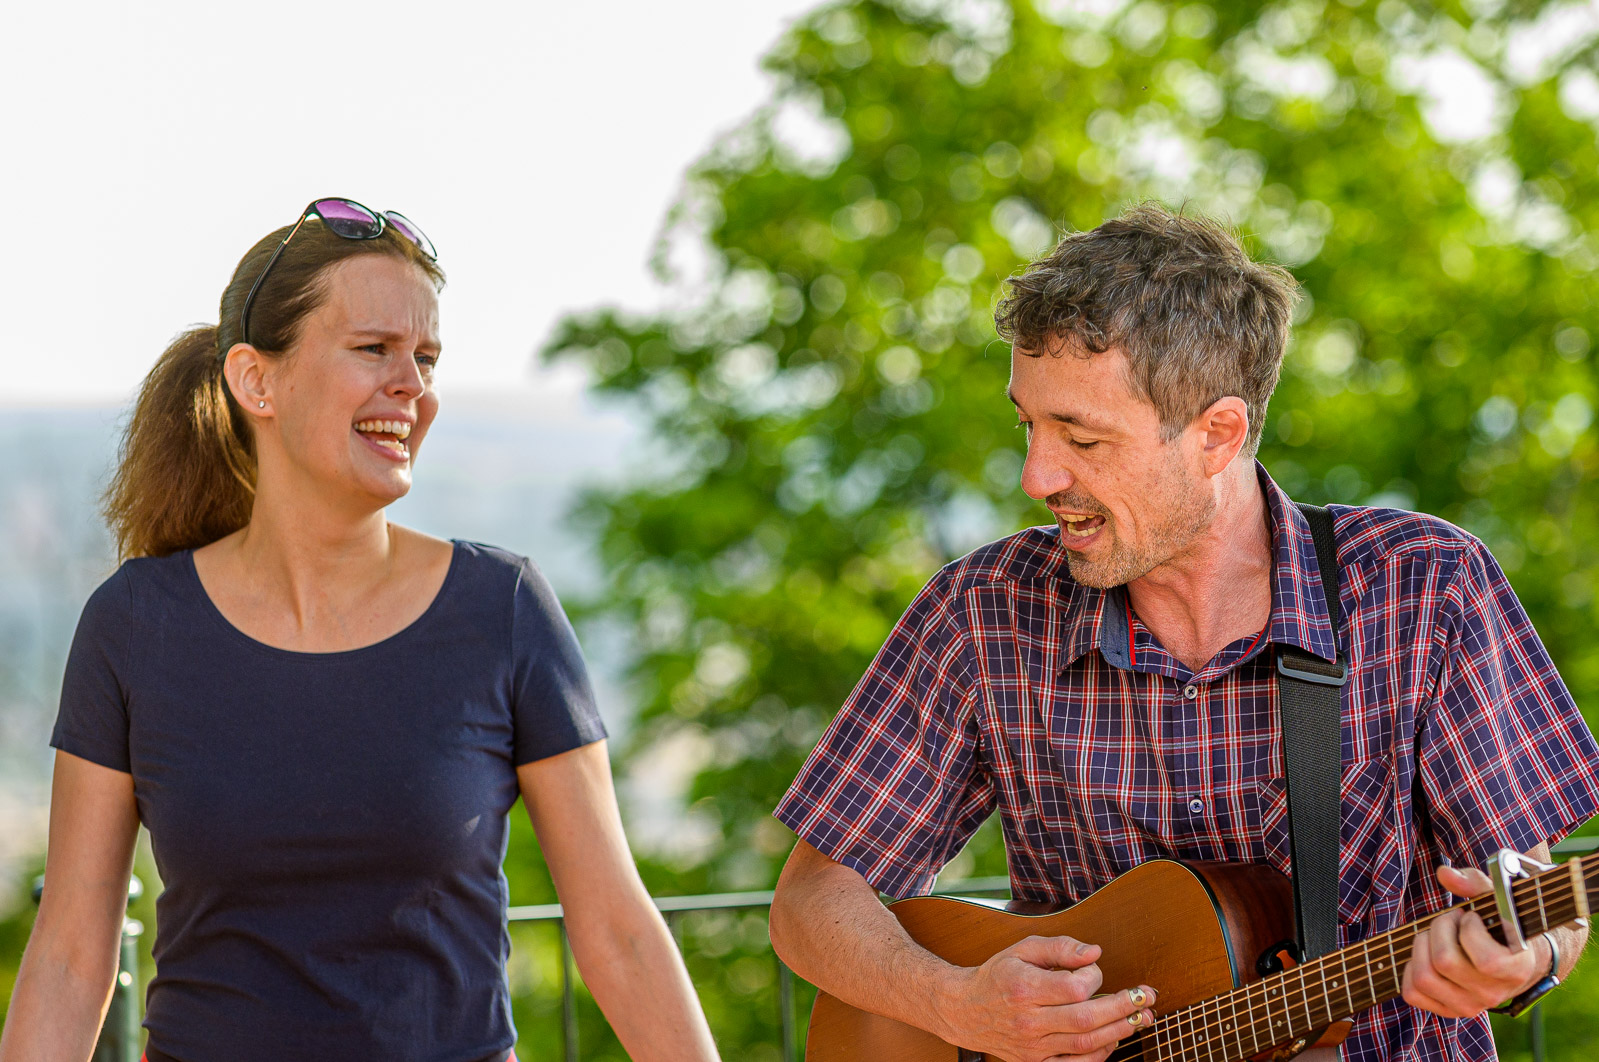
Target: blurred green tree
{"points": [[826, 399]]}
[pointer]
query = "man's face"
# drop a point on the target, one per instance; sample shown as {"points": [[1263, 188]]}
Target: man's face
{"points": [[1126, 501]]}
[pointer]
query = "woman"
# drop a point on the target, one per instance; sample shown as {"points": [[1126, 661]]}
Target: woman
{"points": [[323, 718]]}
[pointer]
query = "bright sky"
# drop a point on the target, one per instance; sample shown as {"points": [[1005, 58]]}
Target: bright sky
{"points": [[539, 145]]}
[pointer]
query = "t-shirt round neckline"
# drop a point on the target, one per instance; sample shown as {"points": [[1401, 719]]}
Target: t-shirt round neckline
{"points": [[256, 644]]}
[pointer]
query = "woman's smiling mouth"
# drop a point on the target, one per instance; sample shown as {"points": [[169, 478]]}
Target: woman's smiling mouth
{"points": [[388, 436]]}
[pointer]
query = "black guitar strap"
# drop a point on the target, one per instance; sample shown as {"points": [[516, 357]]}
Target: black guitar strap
{"points": [[1310, 695]]}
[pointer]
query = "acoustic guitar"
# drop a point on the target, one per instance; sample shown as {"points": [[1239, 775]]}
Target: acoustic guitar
{"points": [[1215, 942]]}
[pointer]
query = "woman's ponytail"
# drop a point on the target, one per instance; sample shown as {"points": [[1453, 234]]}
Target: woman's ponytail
{"points": [[185, 475]]}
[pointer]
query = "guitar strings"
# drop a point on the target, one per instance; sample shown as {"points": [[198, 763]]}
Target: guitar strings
{"points": [[1207, 1025], [1201, 1021]]}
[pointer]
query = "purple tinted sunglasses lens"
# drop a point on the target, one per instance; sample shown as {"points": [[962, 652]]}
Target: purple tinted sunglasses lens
{"points": [[347, 219], [407, 228]]}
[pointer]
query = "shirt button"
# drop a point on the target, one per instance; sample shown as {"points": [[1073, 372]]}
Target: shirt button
{"points": [[1196, 806], [1190, 692]]}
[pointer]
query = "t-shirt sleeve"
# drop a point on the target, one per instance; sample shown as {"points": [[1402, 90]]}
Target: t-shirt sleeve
{"points": [[896, 785], [552, 699], [1506, 759], [92, 722]]}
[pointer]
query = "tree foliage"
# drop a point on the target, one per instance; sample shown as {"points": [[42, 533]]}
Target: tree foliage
{"points": [[826, 404]]}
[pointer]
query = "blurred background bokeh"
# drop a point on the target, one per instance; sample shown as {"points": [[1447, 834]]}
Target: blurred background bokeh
{"points": [[762, 414]]}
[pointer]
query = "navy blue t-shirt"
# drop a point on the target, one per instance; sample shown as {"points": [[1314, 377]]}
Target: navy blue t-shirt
{"points": [[329, 827]]}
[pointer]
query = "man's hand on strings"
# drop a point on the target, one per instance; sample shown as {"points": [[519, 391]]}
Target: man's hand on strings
{"points": [[1458, 970]]}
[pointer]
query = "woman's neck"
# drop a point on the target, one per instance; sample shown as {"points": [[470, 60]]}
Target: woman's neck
{"points": [[307, 559]]}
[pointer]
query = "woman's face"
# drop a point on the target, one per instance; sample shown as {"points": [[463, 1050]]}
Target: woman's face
{"points": [[352, 402]]}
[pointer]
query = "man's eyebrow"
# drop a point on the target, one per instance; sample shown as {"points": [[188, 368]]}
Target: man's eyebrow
{"points": [[1065, 418]]}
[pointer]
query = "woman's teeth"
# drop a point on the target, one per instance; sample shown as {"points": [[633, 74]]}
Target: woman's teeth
{"points": [[389, 434], [398, 428]]}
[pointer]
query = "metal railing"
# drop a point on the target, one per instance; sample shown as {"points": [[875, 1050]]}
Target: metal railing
{"points": [[674, 908], [119, 1037]]}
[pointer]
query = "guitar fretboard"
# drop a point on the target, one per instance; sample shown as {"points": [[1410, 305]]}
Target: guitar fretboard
{"points": [[1297, 1003]]}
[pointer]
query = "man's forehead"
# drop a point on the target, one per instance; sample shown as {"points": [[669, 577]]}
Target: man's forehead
{"points": [[1068, 413], [1070, 386]]}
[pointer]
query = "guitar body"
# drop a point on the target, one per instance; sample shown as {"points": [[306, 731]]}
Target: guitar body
{"points": [[1191, 930]]}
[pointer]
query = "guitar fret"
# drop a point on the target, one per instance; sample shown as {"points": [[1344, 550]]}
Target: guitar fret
{"points": [[1304, 995], [1543, 915], [1365, 957], [1349, 990], [1205, 1028], [1231, 1028], [1254, 1025], [1283, 1027]]}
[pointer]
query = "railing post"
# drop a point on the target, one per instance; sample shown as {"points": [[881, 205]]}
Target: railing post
{"points": [[568, 999], [785, 1003], [1535, 1032]]}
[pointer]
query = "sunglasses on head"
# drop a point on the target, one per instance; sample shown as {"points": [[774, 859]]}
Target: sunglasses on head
{"points": [[346, 218]]}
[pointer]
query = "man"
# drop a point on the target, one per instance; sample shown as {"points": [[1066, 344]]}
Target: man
{"points": [[1107, 683]]}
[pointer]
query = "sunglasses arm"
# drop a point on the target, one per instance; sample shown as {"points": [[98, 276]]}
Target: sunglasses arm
{"points": [[249, 300]]}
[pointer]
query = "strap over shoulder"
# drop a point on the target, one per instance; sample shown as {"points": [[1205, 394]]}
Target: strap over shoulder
{"points": [[1311, 703]]}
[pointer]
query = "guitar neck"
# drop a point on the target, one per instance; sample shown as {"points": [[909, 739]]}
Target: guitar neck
{"points": [[1298, 1003]]}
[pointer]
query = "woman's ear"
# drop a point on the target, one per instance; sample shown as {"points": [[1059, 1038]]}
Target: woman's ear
{"points": [[244, 368]]}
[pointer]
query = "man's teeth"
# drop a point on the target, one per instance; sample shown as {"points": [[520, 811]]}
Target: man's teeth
{"points": [[398, 428], [1075, 531]]}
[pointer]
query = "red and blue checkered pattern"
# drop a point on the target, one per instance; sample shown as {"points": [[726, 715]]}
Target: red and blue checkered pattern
{"points": [[1007, 685]]}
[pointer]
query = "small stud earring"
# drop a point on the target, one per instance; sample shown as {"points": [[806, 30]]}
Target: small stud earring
{"points": [[262, 403]]}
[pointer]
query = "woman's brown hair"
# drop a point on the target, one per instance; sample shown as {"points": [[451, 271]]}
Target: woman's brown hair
{"points": [[186, 469]]}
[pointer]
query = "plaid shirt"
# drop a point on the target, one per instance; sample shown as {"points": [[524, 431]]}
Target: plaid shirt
{"points": [[1006, 684]]}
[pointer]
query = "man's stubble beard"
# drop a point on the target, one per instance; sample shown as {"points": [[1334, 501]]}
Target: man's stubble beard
{"points": [[1191, 510]]}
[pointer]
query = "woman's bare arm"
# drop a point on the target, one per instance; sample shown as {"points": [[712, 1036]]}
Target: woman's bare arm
{"points": [[68, 969], [620, 941]]}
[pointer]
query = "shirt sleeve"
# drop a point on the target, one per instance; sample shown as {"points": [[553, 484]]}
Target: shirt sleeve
{"points": [[92, 722], [1506, 759], [896, 785], [552, 698]]}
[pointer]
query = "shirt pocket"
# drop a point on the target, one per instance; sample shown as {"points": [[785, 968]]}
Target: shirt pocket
{"points": [[1371, 850]]}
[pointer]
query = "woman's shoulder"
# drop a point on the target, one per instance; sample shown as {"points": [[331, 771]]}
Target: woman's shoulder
{"points": [[503, 575], [140, 580], [485, 563]]}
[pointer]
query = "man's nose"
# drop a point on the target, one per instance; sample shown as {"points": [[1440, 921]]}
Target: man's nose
{"points": [[1045, 470]]}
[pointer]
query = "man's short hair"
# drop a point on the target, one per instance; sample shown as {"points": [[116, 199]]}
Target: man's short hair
{"points": [[1197, 319]]}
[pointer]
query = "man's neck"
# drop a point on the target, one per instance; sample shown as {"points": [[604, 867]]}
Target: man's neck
{"points": [[1218, 589]]}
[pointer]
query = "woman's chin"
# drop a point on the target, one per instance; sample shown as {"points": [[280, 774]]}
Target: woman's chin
{"points": [[382, 489]]}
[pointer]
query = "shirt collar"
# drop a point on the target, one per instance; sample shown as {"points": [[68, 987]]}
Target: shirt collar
{"points": [[1299, 613], [1097, 619]]}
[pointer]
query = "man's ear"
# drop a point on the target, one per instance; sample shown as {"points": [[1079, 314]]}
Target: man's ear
{"points": [[244, 369], [1224, 429]]}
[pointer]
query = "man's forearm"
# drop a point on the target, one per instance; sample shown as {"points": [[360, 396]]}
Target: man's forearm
{"points": [[1572, 939], [830, 928]]}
